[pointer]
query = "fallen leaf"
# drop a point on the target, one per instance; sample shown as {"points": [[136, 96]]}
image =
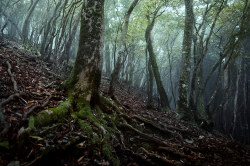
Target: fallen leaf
{"points": [[37, 138], [189, 141]]}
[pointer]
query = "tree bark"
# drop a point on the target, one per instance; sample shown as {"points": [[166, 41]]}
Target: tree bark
{"points": [[86, 74], [182, 102]]}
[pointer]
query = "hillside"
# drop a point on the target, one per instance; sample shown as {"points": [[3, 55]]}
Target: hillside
{"points": [[29, 85]]}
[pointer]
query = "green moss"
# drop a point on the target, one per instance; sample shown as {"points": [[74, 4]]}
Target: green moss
{"points": [[107, 151], [57, 114], [32, 123], [4, 144], [87, 129]]}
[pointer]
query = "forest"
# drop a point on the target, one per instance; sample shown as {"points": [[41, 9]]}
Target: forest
{"points": [[124, 82]]}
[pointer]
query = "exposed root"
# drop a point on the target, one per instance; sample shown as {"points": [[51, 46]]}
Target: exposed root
{"points": [[142, 160], [146, 136], [35, 108], [150, 124], [4, 124], [157, 158]]}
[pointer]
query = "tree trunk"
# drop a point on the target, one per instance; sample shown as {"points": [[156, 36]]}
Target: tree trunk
{"points": [[26, 24], [150, 81], [182, 102], [236, 97], [66, 52], [152, 58], [86, 74], [48, 28], [118, 64], [107, 60]]}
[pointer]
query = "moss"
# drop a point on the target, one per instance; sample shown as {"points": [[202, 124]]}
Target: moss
{"points": [[4, 144], [32, 123], [57, 114], [108, 106], [87, 129], [107, 151]]}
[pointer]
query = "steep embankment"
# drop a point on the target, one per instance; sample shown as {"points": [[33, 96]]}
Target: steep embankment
{"points": [[138, 136]]}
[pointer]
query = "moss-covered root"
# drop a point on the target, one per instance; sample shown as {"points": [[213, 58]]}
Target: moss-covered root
{"points": [[99, 124], [95, 126], [53, 115]]}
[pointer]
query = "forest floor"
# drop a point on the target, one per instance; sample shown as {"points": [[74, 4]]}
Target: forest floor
{"points": [[29, 85]]}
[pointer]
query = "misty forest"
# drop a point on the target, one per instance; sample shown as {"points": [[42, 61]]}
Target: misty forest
{"points": [[124, 82]]}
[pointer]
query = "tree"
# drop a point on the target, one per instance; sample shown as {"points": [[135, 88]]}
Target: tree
{"points": [[115, 73], [26, 24], [86, 74], [182, 102], [153, 63]]}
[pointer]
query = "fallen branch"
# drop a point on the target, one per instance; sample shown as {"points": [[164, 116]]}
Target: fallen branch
{"points": [[35, 108], [12, 76]]}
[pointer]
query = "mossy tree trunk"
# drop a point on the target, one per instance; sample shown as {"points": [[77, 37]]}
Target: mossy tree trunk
{"points": [[182, 102], [86, 74]]}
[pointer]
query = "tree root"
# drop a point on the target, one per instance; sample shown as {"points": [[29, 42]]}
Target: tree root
{"points": [[157, 158], [36, 107], [10, 98], [166, 131], [139, 158], [4, 124], [148, 137], [170, 150]]}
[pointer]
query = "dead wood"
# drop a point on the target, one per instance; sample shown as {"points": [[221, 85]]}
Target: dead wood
{"points": [[12, 76]]}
